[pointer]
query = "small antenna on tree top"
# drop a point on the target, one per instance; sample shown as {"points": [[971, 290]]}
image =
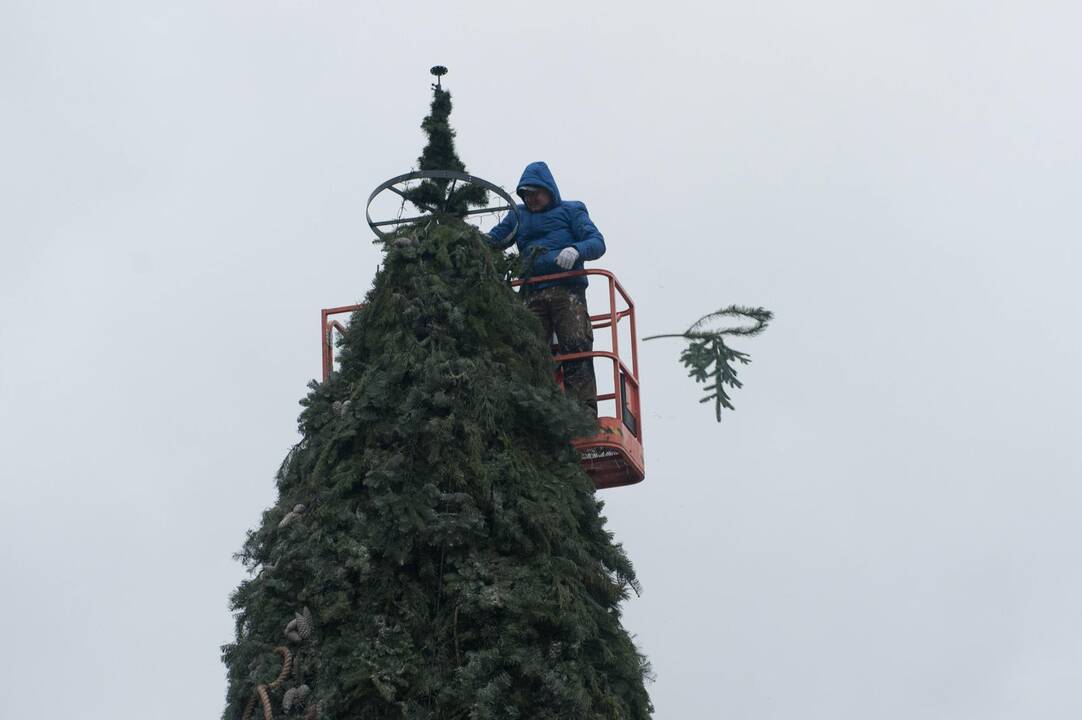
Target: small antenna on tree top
{"points": [[439, 71]]}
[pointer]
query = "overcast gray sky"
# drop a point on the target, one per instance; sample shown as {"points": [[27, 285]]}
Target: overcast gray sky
{"points": [[887, 527]]}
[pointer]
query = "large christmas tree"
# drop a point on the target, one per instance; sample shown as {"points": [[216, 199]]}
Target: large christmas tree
{"points": [[436, 551]]}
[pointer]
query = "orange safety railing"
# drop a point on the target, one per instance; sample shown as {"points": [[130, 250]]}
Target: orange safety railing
{"points": [[328, 326], [625, 380]]}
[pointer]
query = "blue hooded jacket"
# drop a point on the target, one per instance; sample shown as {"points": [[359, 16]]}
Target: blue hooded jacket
{"points": [[543, 234]]}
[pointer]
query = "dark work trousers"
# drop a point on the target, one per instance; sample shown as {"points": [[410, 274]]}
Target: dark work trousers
{"points": [[562, 308]]}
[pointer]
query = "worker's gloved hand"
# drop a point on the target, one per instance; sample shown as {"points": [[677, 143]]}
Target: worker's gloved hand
{"points": [[567, 257]]}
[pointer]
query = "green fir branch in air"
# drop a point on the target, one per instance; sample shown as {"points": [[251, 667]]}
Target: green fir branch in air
{"points": [[710, 360]]}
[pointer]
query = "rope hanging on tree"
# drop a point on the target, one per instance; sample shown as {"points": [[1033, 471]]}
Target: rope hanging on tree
{"points": [[261, 694], [709, 358]]}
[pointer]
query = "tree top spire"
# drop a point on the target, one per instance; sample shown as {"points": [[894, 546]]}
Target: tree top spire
{"points": [[439, 154]]}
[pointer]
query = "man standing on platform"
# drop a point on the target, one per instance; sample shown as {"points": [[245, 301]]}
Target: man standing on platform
{"points": [[556, 236]]}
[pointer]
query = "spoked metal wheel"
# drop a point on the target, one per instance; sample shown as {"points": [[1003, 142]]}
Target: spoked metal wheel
{"points": [[447, 189]]}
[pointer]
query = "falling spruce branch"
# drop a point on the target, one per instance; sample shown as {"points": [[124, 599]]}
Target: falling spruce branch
{"points": [[709, 359]]}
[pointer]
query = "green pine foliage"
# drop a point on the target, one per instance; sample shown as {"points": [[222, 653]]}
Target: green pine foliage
{"points": [[709, 360], [436, 195], [450, 550]]}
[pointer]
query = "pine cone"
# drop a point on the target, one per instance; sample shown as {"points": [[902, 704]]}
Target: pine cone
{"points": [[299, 629], [292, 515], [295, 696]]}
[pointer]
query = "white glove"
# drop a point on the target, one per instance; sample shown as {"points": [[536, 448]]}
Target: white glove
{"points": [[567, 257]]}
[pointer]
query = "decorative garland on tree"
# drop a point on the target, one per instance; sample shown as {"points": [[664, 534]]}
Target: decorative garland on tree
{"points": [[709, 358]]}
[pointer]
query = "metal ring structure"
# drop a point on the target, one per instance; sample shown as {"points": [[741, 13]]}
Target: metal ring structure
{"points": [[438, 175]]}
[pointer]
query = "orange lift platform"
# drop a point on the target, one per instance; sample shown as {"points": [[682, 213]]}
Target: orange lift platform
{"points": [[614, 456]]}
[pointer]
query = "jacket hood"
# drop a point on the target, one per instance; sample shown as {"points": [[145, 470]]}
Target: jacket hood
{"points": [[538, 173]]}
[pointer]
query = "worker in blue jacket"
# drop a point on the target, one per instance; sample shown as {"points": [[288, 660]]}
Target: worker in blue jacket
{"points": [[555, 236]]}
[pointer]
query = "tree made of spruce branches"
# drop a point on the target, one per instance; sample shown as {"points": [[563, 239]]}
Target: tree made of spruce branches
{"points": [[436, 551]]}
